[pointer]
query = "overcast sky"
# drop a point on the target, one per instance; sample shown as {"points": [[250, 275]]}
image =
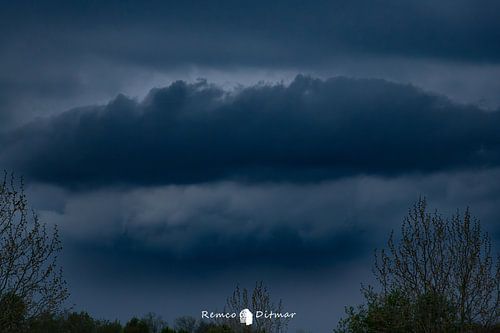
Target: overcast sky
{"points": [[185, 147]]}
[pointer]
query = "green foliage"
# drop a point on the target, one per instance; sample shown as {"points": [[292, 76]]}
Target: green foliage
{"points": [[82, 322], [395, 312], [73, 322], [12, 313], [435, 311], [167, 330], [204, 327], [136, 325], [219, 329], [79, 323], [109, 327]]}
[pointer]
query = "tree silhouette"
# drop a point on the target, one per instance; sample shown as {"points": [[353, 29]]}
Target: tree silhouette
{"points": [[440, 277], [257, 299], [185, 324], [31, 282], [136, 325]]}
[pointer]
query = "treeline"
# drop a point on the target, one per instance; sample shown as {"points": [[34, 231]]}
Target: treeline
{"points": [[82, 322]]}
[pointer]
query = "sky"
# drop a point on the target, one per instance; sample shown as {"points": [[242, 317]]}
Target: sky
{"points": [[186, 147]]}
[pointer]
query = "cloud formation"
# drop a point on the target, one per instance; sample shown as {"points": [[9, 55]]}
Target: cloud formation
{"points": [[310, 130], [262, 33], [55, 55], [301, 179], [292, 226]]}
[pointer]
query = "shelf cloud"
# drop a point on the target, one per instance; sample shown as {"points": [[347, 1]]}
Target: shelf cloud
{"points": [[309, 130]]}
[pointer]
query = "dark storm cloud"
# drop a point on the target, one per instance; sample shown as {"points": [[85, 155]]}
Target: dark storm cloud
{"points": [[311, 224], [216, 224], [283, 249], [55, 55], [307, 131], [261, 32]]}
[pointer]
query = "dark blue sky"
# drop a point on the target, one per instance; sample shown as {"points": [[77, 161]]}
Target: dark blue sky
{"points": [[183, 147]]}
